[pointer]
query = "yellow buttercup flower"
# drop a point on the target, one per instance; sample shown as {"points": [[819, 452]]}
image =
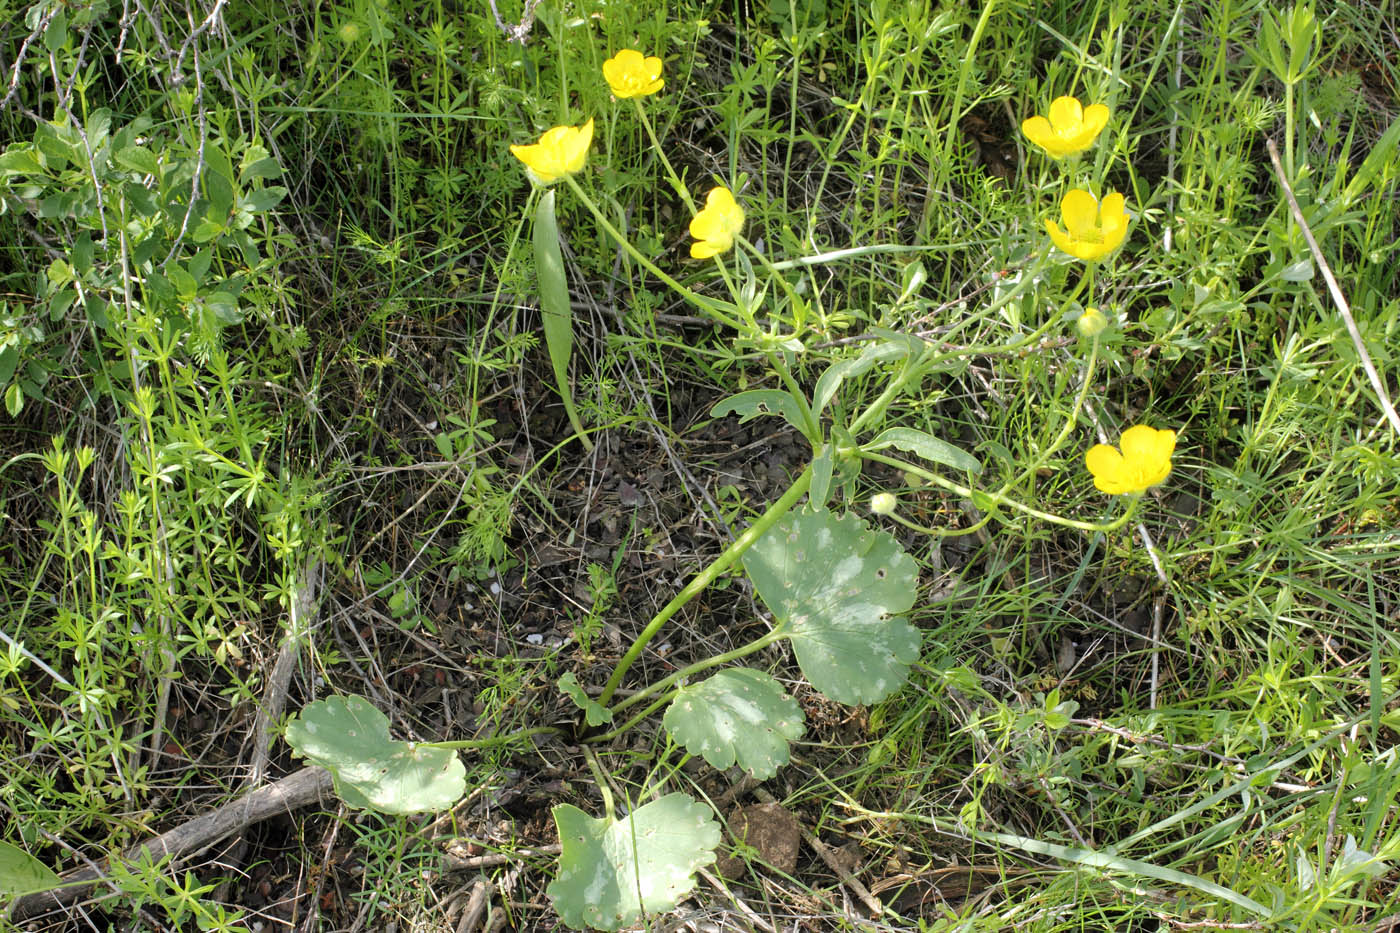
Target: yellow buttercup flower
{"points": [[1070, 128], [717, 225], [631, 74], [560, 151], [1145, 461], [1093, 229]]}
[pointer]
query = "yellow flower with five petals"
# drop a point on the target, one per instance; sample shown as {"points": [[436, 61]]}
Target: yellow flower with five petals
{"points": [[561, 151], [1093, 229], [631, 74], [1144, 461], [1069, 128], [716, 226]]}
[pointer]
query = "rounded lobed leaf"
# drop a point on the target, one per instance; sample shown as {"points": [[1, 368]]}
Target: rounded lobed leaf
{"points": [[611, 872], [739, 715], [837, 588], [350, 738]]}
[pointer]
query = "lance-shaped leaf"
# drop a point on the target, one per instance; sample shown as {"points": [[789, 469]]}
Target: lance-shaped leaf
{"points": [[739, 715], [928, 447], [556, 310], [350, 738], [21, 873], [755, 402], [837, 589], [611, 872]]}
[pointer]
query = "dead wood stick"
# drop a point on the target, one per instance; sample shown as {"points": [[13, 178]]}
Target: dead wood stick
{"points": [[302, 607], [292, 792]]}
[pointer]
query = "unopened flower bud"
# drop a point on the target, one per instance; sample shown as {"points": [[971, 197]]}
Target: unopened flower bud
{"points": [[883, 503], [1091, 323]]}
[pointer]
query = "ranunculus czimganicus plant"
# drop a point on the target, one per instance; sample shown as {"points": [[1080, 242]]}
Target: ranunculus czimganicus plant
{"points": [[1145, 459], [1068, 129], [1092, 229]]}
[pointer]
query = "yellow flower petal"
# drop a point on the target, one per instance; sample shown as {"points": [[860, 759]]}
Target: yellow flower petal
{"points": [[1092, 229], [1060, 238], [716, 226], [1070, 127], [1066, 115], [1095, 119], [1080, 212], [631, 74], [562, 150], [1039, 131], [1145, 461]]}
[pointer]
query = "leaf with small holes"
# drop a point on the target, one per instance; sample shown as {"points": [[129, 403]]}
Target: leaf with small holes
{"points": [[611, 872], [739, 715], [350, 738], [838, 589]]}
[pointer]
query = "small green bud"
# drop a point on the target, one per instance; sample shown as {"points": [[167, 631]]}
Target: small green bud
{"points": [[883, 503], [349, 33], [1091, 323]]}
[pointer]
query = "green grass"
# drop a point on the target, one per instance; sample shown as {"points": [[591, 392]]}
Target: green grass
{"points": [[348, 382]]}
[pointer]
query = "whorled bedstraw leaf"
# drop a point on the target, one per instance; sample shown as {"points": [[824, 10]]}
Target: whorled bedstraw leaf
{"points": [[350, 738], [611, 872], [738, 715], [837, 588], [21, 873]]}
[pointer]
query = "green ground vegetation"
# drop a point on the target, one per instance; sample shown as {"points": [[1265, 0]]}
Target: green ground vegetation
{"points": [[280, 422]]}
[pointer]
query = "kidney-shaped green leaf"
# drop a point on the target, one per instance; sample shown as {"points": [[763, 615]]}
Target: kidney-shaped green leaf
{"points": [[613, 871], [739, 715], [350, 738], [21, 873], [837, 589]]}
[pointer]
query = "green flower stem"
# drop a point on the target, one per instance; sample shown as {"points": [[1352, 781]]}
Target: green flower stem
{"points": [[1070, 422], [856, 252], [675, 179], [708, 305], [651, 708], [812, 429], [967, 493], [601, 779], [493, 740], [758, 644], [707, 576]]}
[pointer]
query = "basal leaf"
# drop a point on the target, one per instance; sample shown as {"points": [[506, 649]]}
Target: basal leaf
{"points": [[350, 738], [738, 715], [611, 872], [837, 589]]}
